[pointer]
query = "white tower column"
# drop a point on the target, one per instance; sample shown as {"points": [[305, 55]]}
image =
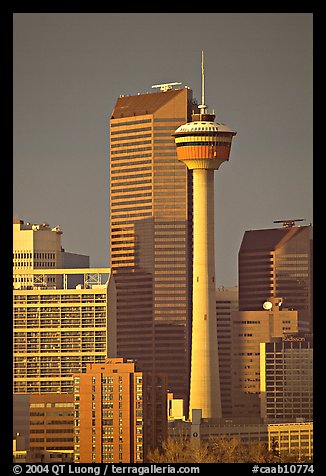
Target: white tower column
{"points": [[204, 384], [203, 145]]}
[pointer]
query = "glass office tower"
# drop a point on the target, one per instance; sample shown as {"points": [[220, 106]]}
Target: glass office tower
{"points": [[274, 263], [286, 378], [150, 233]]}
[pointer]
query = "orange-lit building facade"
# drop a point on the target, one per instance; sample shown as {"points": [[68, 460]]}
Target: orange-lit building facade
{"points": [[151, 233], [56, 332], [120, 412]]}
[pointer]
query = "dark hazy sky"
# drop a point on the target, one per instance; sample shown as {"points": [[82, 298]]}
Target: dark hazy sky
{"points": [[69, 69]]}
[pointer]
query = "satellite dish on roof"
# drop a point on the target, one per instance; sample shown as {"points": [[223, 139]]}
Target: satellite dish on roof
{"points": [[267, 305]]}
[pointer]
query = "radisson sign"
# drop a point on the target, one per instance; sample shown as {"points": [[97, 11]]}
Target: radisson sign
{"points": [[293, 339]]}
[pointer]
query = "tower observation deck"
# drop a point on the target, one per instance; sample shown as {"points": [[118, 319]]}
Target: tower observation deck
{"points": [[203, 145]]}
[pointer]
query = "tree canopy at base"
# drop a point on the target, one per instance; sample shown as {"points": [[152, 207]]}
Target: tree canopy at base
{"points": [[218, 450]]}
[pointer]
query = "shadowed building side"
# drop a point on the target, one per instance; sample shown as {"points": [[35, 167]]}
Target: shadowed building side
{"points": [[277, 262]]}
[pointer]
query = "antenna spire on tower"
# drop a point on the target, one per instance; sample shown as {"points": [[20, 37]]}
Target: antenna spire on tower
{"points": [[202, 78], [202, 106]]}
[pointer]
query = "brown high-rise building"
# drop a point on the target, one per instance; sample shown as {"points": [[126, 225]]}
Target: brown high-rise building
{"points": [[276, 263], [150, 233], [121, 412], [275, 299]]}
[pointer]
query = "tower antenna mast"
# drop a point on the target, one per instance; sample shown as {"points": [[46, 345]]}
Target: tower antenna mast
{"points": [[202, 106]]}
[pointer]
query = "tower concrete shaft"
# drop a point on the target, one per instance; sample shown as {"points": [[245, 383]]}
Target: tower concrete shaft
{"points": [[204, 383]]}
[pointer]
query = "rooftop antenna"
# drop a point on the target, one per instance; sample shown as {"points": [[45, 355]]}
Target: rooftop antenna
{"points": [[202, 107], [289, 223], [165, 86]]}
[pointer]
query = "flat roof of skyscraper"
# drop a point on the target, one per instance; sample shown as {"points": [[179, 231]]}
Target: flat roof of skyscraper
{"points": [[269, 238], [142, 104]]}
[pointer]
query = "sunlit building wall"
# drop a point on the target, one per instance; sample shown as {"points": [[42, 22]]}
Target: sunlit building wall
{"points": [[120, 412], [35, 246], [56, 332], [292, 438], [38, 246]]}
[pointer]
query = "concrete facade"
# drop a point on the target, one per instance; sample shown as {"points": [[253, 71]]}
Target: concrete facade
{"points": [[35, 246], [56, 332], [38, 246]]}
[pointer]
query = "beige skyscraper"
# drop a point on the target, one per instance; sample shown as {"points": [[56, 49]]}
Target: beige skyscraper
{"points": [[38, 246], [35, 246]]}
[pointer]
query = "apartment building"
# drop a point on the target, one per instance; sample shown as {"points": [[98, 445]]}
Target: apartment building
{"points": [[120, 412], [56, 332]]}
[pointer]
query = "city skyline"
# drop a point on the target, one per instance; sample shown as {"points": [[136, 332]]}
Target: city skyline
{"points": [[69, 70]]}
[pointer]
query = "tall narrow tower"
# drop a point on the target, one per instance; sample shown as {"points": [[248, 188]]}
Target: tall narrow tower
{"points": [[203, 145]]}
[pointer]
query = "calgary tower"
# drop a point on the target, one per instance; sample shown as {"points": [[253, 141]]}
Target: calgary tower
{"points": [[203, 145]]}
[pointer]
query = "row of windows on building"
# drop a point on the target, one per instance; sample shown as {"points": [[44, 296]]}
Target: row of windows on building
{"points": [[133, 138], [165, 246], [64, 313], [130, 164], [36, 255], [130, 192], [82, 298], [36, 264]]}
